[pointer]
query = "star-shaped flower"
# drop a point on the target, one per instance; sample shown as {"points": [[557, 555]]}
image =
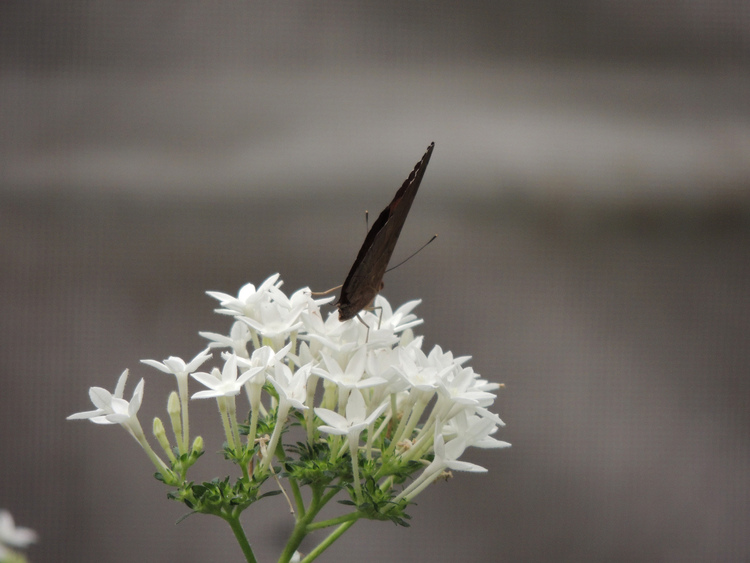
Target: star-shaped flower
{"points": [[177, 366], [292, 388], [460, 388], [415, 371], [354, 374], [351, 426], [400, 319], [446, 457], [112, 408], [224, 383], [356, 418], [239, 336], [12, 535], [274, 321], [248, 299]]}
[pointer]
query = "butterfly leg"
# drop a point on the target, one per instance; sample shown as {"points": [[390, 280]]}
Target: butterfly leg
{"points": [[326, 292], [380, 314], [367, 336]]}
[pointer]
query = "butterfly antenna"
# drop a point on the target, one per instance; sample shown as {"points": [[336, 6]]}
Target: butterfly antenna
{"points": [[420, 249], [367, 222]]}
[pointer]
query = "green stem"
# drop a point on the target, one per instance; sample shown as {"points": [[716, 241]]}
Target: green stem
{"points": [[401, 426], [234, 523], [333, 521], [304, 520], [281, 415], [354, 454], [281, 454], [297, 496], [312, 385], [300, 527], [135, 430], [326, 543], [420, 447], [232, 416], [416, 414], [305, 525], [225, 421], [245, 470], [253, 391], [298, 534], [328, 496]]}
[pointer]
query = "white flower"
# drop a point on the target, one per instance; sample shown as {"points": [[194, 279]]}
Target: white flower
{"points": [[264, 357], [177, 366], [356, 418], [371, 331], [352, 376], [301, 297], [181, 370], [398, 320], [351, 426], [224, 383], [238, 338], [292, 388], [380, 364], [460, 388], [332, 334], [378, 327], [441, 360], [12, 535], [267, 311], [327, 333], [475, 430], [415, 370], [343, 337], [274, 321], [112, 408], [248, 299], [446, 456]]}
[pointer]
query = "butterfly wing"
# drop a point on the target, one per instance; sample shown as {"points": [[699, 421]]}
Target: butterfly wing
{"points": [[365, 278]]}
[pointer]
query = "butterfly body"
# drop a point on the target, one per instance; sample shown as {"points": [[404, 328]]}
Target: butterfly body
{"points": [[365, 279]]}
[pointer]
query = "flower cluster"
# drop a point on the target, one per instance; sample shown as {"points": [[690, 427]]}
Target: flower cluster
{"points": [[371, 410], [13, 537]]}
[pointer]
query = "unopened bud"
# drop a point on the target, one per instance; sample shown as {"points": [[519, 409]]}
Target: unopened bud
{"points": [[173, 408], [197, 445], [173, 404], [161, 436]]}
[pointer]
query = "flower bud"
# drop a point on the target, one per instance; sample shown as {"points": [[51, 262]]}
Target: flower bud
{"points": [[159, 428], [173, 408], [161, 436], [197, 445], [173, 404]]}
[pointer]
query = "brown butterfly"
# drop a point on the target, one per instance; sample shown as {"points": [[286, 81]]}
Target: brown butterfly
{"points": [[365, 279]]}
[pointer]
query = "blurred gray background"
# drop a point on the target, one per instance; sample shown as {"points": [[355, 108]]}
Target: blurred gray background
{"points": [[590, 186]]}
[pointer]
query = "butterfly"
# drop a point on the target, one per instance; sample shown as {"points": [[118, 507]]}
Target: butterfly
{"points": [[365, 279]]}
